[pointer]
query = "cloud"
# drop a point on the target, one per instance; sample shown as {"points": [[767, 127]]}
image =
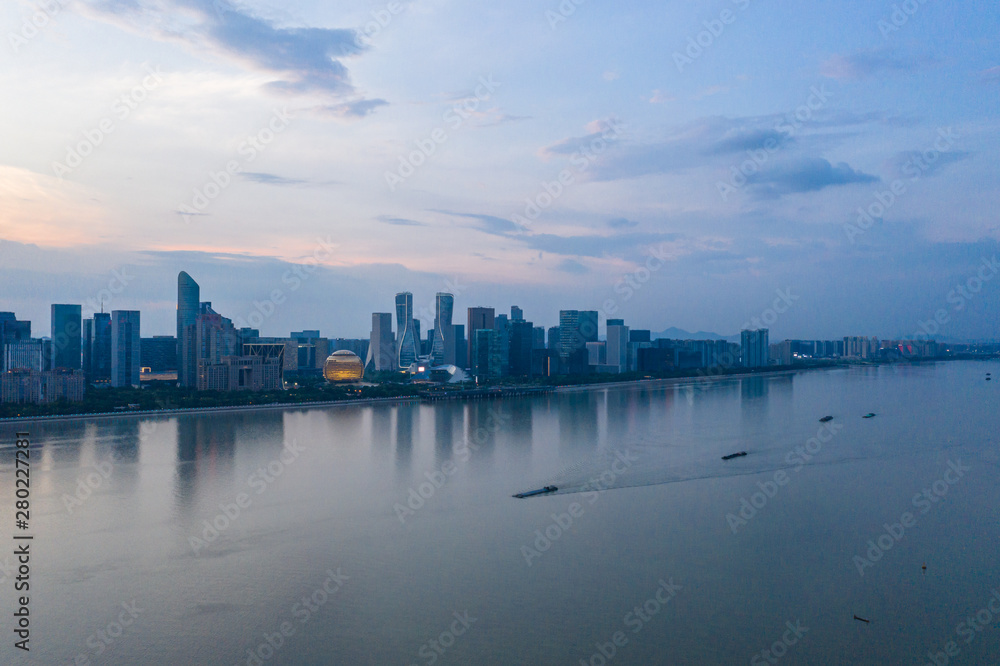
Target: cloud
{"points": [[270, 179], [400, 221], [659, 97], [864, 64], [805, 175], [596, 130], [305, 59], [350, 110], [572, 266], [991, 75], [622, 223], [910, 163], [498, 226]]}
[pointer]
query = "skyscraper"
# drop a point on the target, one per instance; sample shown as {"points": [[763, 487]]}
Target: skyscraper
{"points": [[101, 353], [88, 349], [188, 299], [576, 329], [617, 347], [444, 335], [502, 327], [406, 336], [522, 335], [516, 313], [381, 347], [66, 340], [11, 331], [479, 319], [125, 348], [754, 348]]}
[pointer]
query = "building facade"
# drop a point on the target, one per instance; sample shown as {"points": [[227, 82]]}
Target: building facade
{"points": [[125, 348]]}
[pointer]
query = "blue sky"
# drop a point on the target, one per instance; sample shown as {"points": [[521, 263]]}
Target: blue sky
{"points": [[229, 139]]}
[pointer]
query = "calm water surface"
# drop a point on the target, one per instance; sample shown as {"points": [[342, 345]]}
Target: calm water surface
{"points": [[387, 534]]}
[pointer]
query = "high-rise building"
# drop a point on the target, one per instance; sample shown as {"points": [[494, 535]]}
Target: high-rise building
{"points": [[188, 304], [485, 351], [597, 353], [576, 329], [538, 337], [101, 352], [461, 346], [406, 338], [443, 346], [159, 353], [521, 344], [125, 348], [617, 347], [381, 348], [516, 313], [66, 340], [88, 348], [23, 355], [502, 327], [479, 319], [754, 348], [12, 330]]}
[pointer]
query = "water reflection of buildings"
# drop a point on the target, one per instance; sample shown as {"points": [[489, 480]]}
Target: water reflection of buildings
{"points": [[578, 422], [405, 420], [206, 446]]}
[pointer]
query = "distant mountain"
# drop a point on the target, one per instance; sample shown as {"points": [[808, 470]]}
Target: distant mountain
{"points": [[680, 334]]}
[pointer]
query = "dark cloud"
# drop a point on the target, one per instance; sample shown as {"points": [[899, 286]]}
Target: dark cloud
{"points": [[805, 175], [622, 223], [349, 110], [401, 221], [306, 59], [270, 178], [864, 64], [572, 266]]}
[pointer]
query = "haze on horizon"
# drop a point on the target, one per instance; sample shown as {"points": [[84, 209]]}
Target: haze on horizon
{"points": [[645, 109]]}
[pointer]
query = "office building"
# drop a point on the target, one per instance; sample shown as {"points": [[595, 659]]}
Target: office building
{"points": [[576, 329], [479, 318], [617, 345], [159, 353], [23, 355], [754, 348], [443, 343], [11, 331], [125, 348], [66, 337], [407, 337], [516, 313], [502, 327], [381, 347], [100, 354], [522, 334], [34, 387], [188, 305]]}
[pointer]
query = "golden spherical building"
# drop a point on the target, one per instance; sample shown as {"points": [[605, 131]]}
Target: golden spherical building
{"points": [[343, 366]]}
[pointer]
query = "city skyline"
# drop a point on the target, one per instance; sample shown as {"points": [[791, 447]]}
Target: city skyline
{"points": [[667, 172]]}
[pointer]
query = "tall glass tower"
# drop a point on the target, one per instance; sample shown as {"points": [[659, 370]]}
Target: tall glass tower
{"points": [[67, 340], [406, 351], [188, 295], [444, 335]]}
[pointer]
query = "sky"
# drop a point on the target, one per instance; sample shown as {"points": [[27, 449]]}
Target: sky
{"points": [[827, 169]]}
